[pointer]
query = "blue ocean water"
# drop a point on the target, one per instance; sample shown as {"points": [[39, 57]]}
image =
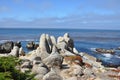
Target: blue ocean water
{"points": [[84, 40]]}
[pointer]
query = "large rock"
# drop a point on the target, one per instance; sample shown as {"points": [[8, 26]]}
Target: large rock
{"points": [[43, 54], [76, 70], [26, 66], [44, 46], [37, 60], [38, 77], [15, 51], [69, 42], [52, 75], [60, 39], [49, 42], [6, 47], [54, 60], [21, 52], [65, 42], [53, 40], [38, 69], [62, 45]]}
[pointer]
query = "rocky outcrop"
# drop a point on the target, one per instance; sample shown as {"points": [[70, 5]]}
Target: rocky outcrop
{"points": [[6, 47], [104, 51], [61, 61]]}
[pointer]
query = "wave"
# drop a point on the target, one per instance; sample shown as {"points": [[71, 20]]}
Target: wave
{"points": [[108, 55], [14, 40], [94, 38]]}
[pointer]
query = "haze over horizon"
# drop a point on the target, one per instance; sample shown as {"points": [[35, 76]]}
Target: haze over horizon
{"points": [[77, 14]]}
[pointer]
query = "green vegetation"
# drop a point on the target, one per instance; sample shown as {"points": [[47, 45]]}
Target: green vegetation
{"points": [[9, 72]]}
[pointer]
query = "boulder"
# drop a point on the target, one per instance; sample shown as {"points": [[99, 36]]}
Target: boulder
{"points": [[44, 46], [49, 42], [53, 40], [38, 77], [76, 70], [14, 51], [6, 47], [54, 60], [52, 75], [67, 53], [72, 78], [69, 42], [60, 39], [26, 64], [62, 45], [101, 50], [38, 69], [37, 60], [21, 52]]}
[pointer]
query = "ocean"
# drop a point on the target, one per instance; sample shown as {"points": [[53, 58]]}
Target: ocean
{"points": [[84, 40]]}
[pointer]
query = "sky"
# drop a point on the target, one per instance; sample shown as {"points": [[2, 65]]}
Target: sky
{"points": [[77, 14]]}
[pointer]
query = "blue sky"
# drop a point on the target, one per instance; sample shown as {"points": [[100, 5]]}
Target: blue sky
{"points": [[82, 14]]}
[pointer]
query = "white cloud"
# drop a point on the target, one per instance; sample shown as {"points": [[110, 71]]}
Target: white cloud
{"points": [[92, 22]]}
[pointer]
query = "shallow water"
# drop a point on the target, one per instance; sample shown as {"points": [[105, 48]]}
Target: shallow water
{"points": [[84, 40]]}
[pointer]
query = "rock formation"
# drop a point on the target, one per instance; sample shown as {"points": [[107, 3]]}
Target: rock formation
{"points": [[61, 61]]}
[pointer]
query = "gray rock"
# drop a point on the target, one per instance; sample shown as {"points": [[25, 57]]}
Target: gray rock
{"points": [[49, 42], [37, 60], [76, 70], [39, 77], [14, 51], [54, 60], [39, 70], [60, 39], [43, 55], [72, 78], [88, 71], [52, 75], [44, 46], [26, 64], [21, 52], [69, 42], [62, 45], [53, 40], [6, 47]]}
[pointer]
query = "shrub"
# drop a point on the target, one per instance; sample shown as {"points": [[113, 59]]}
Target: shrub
{"points": [[9, 72]]}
